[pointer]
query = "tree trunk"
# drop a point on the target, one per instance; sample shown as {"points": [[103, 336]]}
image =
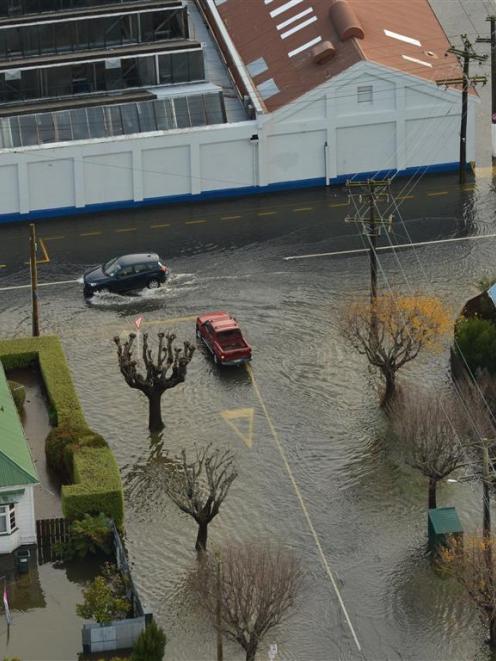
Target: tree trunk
{"points": [[251, 652], [492, 630], [155, 422], [201, 539], [389, 375], [432, 493]]}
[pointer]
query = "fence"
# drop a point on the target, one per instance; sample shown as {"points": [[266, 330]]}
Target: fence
{"points": [[123, 566], [49, 533]]}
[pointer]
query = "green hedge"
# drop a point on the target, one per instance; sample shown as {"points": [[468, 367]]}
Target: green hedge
{"points": [[97, 486], [476, 342], [47, 351]]}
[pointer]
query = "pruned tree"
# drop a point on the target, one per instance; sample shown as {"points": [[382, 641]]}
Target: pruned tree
{"points": [[199, 487], [403, 327], [466, 560], [166, 371], [257, 587], [430, 426]]}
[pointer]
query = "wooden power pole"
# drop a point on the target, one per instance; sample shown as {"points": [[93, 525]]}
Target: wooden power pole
{"points": [[218, 614], [34, 280], [372, 191], [492, 40], [465, 56]]}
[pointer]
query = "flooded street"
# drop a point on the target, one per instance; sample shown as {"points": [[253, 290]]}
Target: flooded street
{"points": [[319, 472]]}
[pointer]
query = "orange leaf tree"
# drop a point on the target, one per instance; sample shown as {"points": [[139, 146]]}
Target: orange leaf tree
{"points": [[393, 330]]}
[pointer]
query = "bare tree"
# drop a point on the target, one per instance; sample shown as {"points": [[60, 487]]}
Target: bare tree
{"points": [[167, 371], [466, 560], [258, 586], [200, 487], [403, 326], [429, 425]]}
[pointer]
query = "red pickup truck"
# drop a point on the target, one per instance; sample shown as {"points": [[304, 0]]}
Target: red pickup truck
{"points": [[223, 338]]}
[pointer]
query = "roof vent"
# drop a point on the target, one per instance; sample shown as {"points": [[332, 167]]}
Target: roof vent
{"points": [[345, 21], [323, 52]]}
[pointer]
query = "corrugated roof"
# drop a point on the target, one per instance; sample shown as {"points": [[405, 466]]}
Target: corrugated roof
{"points": [[399, 34], [16, 464]]}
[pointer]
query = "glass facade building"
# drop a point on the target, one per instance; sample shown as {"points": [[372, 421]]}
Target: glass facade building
{"points": [[90, 69]]}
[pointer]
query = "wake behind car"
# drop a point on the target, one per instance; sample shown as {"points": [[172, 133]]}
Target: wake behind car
{"points": [[222, 336], [126, 273]]}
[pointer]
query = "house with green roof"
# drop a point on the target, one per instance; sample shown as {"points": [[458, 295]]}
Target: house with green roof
{"points": [[17, 476]]}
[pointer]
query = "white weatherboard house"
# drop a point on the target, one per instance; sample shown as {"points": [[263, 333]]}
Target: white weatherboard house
{"points": [[17, 477], [311, 93]]}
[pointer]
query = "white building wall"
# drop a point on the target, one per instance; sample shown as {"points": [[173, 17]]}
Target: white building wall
{"points": [[321, 137], [25, 521]]}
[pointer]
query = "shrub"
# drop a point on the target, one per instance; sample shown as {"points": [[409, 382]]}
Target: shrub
{"points": [[90, 534], [56, 443], [19, 395], [476, 343], [97, 486], [105, 598], [150, 645]]}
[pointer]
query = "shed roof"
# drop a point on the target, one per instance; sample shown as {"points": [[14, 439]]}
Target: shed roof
{"points": [[275, 38], [16, 464]]}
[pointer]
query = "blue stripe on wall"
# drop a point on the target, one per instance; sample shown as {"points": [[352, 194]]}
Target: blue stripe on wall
{"points": [[223, 193]]}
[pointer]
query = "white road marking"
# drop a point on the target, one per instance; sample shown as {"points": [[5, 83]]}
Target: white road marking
{"points": [[358, 251], [300, 49], [40, 284], [299, 495]]}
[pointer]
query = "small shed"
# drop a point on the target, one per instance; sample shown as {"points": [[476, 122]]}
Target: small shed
{"points": [[17, 476], [442, 523]]}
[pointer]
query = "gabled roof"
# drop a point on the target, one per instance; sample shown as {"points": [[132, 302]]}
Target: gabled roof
{"points": [[278, 41], [16, 464]]}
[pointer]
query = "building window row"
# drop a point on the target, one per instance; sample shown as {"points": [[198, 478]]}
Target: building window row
{"points": [[102, 75], [93, 32], [22, 7], [105, 121]]}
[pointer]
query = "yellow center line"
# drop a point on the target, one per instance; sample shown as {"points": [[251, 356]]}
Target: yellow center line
{"points": [[304, 209], [156, 227], [53, 238], [90, 234], [3, 266], [229, 217], [405, 197], [303, 506], [266, 213], [126, 229], [194, 222], [338, 204], [436, 193]]}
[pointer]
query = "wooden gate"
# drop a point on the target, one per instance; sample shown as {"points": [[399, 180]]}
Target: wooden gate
{"points": [[48, 533]]}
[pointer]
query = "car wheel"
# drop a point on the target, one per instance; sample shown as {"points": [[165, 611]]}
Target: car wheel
{"points": [[153, 284]]}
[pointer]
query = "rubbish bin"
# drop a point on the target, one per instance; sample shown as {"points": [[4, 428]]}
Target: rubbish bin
{"points": [[22, 560], [443, 522]]}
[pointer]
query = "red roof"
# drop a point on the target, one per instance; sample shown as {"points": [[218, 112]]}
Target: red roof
{"points": [[276, 41]]}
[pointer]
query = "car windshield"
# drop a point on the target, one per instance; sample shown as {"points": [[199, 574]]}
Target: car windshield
{"points": [[111, 267]]}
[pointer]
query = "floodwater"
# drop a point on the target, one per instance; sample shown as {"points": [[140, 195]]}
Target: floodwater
{"points": [[352, 501]]}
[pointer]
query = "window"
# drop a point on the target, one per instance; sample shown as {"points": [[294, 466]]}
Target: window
{"points": [[364, 93], [7, 519], [143, 268]]}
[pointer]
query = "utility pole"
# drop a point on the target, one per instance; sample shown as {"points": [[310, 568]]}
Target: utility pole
{"points": [[220, 649], [34, 279], [492, 40], [371, 191], [465, 56]]}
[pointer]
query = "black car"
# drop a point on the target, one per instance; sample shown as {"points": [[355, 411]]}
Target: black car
{"points": [[123, 274]]}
